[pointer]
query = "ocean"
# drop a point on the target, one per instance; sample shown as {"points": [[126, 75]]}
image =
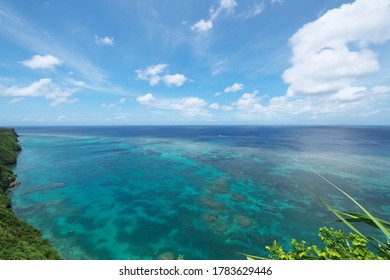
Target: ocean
{"points": [[194, 192]]}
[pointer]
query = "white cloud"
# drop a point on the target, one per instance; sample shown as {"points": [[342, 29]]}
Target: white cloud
{"points": [[226, 7], [202, 26], [228, 4], [249, 103], [107, 41], [188, 106], [218, 93], [146, 99], [234, 88], [78, 83], [355, 104], [331, 56], [214, 106], [122, 100], [155, 73], [42, 62], [332, 52], [174, 80], [41, 88], [193, 102], [349, 94], [381, 89], [30, 36], [151, 73], [227, 108]]}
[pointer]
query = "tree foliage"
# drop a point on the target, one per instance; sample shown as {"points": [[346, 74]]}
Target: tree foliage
{"points": [[18, 240], [337, 246]]}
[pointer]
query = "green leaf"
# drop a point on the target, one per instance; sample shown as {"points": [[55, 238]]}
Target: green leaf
{"points": [[252, 258], [362, 218], [385, 231]]}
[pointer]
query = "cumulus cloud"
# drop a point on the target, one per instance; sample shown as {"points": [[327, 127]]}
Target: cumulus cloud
{"points": [[41, 88], [234, 88], [228, 4], [332, 52], [174, 80], [151, 73], [146, 99], [42, 62], [214, 106], [156, 73], [331, 57], [381, 89], [188, 102], [107, 41], [188, 106], [249, 103], [324, 106], [227, 108], [359, 104], [349, 94]]}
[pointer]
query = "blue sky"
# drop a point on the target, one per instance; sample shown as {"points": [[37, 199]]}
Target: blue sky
{"points": [[194, 62]]}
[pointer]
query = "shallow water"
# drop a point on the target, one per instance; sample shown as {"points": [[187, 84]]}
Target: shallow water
{"points": [[203, 192]]}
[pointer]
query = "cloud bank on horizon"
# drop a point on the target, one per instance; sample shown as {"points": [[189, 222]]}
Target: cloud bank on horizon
{"points": [[220, 62]]}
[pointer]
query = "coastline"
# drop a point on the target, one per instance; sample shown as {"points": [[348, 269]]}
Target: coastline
{"points": [[19, 240]]}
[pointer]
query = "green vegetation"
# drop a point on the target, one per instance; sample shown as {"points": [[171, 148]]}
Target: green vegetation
{"points": [[18, 240], [338, 245], [9, 147]]}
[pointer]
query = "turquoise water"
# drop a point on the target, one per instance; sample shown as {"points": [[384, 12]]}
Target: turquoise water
{"points": [[197, 192]]}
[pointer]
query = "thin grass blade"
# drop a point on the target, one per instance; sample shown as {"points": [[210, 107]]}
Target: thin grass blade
{"points": [[375, 220], [362, 218]]}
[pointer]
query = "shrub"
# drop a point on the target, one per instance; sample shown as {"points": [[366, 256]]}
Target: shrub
{"points": [[337, 245]]}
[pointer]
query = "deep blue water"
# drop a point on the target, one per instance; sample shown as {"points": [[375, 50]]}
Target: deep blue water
{"points": [[203, 192]]}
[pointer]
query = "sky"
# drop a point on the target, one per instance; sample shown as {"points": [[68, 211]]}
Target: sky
{"points": [[216, 62]]}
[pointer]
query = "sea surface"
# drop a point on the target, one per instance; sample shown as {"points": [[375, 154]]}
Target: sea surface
{"points": [[198, 192]]}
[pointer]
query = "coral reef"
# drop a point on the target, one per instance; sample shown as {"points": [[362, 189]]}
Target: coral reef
{"points": [[242, 220], [212, 204]]}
